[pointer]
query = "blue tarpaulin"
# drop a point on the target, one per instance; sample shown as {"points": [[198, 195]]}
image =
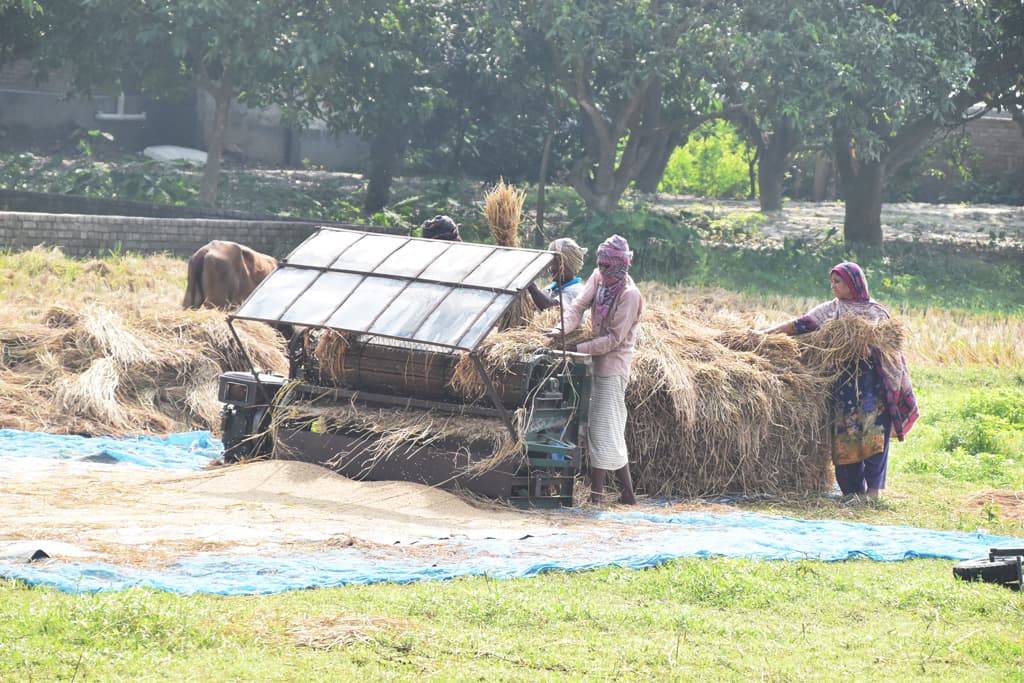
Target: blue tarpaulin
{"points": [[661, 538], [181, 451], [649, 536]]}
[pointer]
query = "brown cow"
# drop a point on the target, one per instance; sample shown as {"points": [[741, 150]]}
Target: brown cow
{"points": [[222, 274]]}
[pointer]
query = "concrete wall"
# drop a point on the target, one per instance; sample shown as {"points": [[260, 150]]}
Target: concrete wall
{"points": [[44, 116], [46, 202], [260, 135], [85, 235], [999, 142]]}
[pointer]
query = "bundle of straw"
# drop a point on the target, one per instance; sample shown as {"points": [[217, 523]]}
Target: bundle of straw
{"points": [[330, 351], [503, 347], [840, 341], [503, 206]]}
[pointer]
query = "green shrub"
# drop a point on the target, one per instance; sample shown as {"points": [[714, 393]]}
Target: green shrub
{"points": [[989, 468], [664, 250], [714, 162], [981, 434]]}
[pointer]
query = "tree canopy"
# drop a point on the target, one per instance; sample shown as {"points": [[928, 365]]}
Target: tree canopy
{"points": [[597, 91]]}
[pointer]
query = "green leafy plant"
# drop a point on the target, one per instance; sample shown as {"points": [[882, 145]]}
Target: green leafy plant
{"points": [[713, 163]]}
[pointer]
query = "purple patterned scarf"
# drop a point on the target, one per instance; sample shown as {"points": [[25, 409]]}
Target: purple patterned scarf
{"points": [[615, 252]]}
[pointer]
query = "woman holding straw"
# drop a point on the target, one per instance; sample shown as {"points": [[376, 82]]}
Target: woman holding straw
{"points": [[565, 269], [871, 398], [615, 306]]}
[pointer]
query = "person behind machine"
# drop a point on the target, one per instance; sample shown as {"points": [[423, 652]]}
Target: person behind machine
{"points": [[565, 270], [441, 227], [615, 306]]}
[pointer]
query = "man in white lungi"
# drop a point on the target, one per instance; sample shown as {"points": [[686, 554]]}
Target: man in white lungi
{"points": [[615, 306]]}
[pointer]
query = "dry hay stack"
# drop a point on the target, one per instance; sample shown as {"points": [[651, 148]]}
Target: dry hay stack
{"points": [[93, 371], [703, 418]]}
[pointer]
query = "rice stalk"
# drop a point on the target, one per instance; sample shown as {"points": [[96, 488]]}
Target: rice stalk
{"points": [[503, 207]]}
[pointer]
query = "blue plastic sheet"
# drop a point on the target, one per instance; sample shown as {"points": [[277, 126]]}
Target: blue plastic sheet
{"points": [[654, 537], [661, 538], [182, 451]]}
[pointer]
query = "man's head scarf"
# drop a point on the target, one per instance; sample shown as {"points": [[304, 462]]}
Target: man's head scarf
{"points": [[570, 256], [853, 276], [614, 252], [441, 227]]}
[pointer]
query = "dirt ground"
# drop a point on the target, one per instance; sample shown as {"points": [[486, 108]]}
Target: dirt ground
{"points": [[965, 225]]}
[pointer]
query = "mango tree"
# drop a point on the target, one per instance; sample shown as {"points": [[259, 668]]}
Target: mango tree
{"points": [[634, 73]]}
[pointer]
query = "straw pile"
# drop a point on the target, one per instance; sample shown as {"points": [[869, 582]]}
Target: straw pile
{"points": [[707, 419], [715, 409], [92, 371]]}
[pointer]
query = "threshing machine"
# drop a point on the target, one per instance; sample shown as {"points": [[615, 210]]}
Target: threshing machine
{"points": [[385, 324]]}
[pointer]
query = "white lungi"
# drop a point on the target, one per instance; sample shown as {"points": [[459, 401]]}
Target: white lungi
{"points": [[607, 428]]}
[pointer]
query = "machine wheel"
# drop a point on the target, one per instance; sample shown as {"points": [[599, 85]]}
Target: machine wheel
{"points": [[1004, 571]]}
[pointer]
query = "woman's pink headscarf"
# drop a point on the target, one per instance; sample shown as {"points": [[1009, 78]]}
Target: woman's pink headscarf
{"points": [[614, 251], [854, 278]]}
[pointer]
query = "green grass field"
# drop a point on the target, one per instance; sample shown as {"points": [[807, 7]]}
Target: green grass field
{"points": [[962, 468]]}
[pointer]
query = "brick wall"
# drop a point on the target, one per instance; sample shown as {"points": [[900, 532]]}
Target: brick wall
{"points": [[47, 202], [999, 142], [82, 235]]}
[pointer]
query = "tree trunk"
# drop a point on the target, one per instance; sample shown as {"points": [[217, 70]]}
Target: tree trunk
{"points": [[385, 161], [775, 155], [861, 184], [822, 170], [863, 202], [769, 181], [222, 95], [542, 183], [649, 177], [603, 171], [752, 167]]}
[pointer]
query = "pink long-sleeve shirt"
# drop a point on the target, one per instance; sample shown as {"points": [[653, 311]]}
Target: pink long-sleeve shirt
{"points": [[615, 333]]}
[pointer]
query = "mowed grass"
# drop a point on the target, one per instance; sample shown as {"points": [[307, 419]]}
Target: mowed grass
{"points": [[690, 619], [711, 619]]}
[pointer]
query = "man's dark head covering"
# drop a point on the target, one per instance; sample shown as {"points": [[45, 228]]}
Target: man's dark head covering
{"points": [[441, 227]]}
